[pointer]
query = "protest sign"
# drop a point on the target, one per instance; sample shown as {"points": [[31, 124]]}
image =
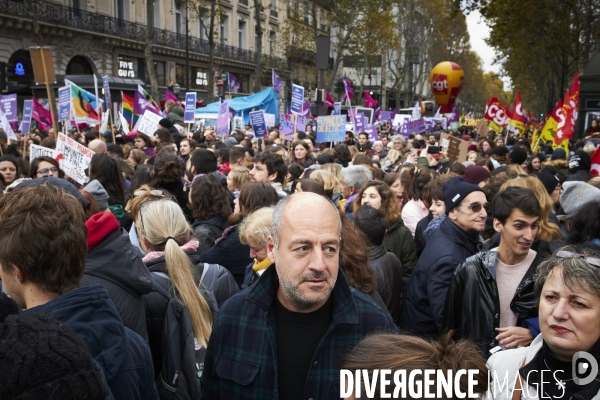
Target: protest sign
{"points": [[238, 122], [331, 128], [106, 87], [74, 158], [286, 127], [257, 120], [454, 125], [4, 124], [455, 148], [367, 112], [359, 123], [482, 127], [386, 115], [36, 151], [269, 120], [371, 130], [190, 108], [337, 108], [148, 124], [27, 112], [64, 103], [297, 99], [415, 127], [300, 123], [442, 121], [8, 105], [223, 119]]}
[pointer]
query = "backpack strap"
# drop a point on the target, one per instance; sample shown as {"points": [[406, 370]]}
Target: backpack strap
{"points": [[210, 273], [163, 285]]}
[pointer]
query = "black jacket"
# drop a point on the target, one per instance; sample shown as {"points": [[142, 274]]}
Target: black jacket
{"points": [[207, 231], [122, 354], [156, 304], [425, 296], [420, 241], [176, 189], [388, 271], [230, 253], [473, 304], [114, 263]]}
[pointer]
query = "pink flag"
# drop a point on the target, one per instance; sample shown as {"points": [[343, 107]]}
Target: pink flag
{"points": [[41, 115], [170, 96], [369, 101], [329, 101]]}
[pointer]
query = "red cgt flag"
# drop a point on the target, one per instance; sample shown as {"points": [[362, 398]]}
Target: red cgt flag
{"points": [[595, 169]]}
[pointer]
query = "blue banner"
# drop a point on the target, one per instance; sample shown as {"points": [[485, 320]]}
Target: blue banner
{"points": [[27, 112], [64, 103], [190, 108], [331, 128], [257, 119], [297, 99]]}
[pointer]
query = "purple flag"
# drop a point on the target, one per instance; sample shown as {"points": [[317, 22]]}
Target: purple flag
{"points": [[305, 109], [454, 117], [377, 113], [233, 83], [349, 91], [276, 81], [143, 101]]}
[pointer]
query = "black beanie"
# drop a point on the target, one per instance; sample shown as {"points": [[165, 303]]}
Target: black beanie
{"points": [[548, 180], [41, 359], [580, 161], [455, 190], [165, 123], [325, 159]]}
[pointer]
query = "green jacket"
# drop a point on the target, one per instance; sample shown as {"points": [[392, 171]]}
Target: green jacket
{"points": [[176, 114], [444, 164], [399, 240]]}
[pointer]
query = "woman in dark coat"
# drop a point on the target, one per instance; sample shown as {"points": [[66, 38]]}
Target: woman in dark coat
{"points": [[168, 175], [398, 239], [228, 251], [210, 207]]}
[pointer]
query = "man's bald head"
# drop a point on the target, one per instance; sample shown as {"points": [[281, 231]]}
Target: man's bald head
{"points": [[97, 146], [295, 207]]}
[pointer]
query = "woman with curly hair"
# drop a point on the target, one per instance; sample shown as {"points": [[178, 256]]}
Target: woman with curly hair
{"points": [[210, 206], [143, 142], [398, 238]]}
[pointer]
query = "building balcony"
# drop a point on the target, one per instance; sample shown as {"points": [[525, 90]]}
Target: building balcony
{"points": [[56, 14]]}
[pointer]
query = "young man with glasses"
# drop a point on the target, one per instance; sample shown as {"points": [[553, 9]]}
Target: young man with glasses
{"points": [[496, 287], [456, 239]]}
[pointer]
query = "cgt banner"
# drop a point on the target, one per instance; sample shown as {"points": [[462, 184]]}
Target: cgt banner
{"points": [[498, 115], [74, 158]]}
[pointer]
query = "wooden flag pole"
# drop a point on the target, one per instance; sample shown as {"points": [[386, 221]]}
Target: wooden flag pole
{"points": [[111, 125], [48, 89]]}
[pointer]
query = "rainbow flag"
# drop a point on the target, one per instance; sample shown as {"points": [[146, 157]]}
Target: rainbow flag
{"points": [[127, 107], [84, 105]]}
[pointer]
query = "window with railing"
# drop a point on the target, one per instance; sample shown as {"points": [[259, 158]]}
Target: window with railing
{"points": [[242, 34], [243, 2]]}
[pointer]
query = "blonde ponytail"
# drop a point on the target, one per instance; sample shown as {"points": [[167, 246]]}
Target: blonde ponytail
{"points": [[164, 226], [181, 272]]}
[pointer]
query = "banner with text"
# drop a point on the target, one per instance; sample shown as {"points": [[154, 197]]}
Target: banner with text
{"points": [[297, 99], [257, 119], [27, 112], [64, 103], [36, 151], [286, 127], [223, 119], [148, 124], [190, 108], [74, 158], [8, 105], [331, 128]]}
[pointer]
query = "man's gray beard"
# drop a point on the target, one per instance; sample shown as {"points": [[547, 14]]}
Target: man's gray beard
{"points": [[294, 294]]}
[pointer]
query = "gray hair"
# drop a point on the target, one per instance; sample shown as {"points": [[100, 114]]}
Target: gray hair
{"points": [[399, 137], [357, 176], [280, 210], [577, 273]]}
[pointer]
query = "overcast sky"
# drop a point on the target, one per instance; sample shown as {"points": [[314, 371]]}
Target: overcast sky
{"points": [[478, 31]]}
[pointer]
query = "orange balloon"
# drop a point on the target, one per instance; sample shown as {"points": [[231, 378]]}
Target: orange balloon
{"points": [[446, 80]]}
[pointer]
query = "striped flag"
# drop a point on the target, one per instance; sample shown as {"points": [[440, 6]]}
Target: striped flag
{"points": [[128, 108]]}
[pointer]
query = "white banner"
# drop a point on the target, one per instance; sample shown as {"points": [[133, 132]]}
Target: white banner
{"points": [[148, 123], [36, 151], [74, 158]]}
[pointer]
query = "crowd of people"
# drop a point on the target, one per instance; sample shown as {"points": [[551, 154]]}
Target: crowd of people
{"points": [[192, 266]]}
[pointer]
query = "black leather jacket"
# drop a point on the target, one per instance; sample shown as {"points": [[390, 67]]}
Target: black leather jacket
{"points": [[473, 305]]}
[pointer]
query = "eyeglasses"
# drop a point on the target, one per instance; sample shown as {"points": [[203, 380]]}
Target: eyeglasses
{"points": [[46, 171], [146, 202], [476, 207], [569, 254]]}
